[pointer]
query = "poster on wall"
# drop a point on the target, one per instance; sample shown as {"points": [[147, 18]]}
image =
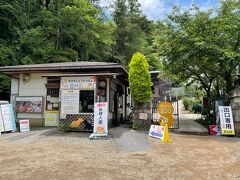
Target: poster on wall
{"points": [[100, 119], [83, 82], [28, 104], [1, 122], [8, 117], [69, 102], [51, 118], [226, 120]]}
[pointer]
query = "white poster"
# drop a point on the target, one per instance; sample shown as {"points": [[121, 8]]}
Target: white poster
{"points": [[69, 102], [156, 131], [100, 119], [51, 118], [1, 122], [24, 125], [7, 118], [83, 82], [226, 120]]}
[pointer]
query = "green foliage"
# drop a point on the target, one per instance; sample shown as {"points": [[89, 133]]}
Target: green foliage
{"points": [[192, 104], [139, 79], [187, 102], [133, 33], [4, 83], [201, 46], [197, 108]]}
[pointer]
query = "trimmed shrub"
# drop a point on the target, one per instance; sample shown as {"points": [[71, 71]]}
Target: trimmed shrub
{"points": [[139, 79], [187, 102]]}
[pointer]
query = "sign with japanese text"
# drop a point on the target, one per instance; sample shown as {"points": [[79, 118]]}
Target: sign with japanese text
{"points": [[143, 116], [156, 131], [226, 120], [8, 117], [51, 118], [100, 119], [69, 102], [24, 125], [83, 82]]}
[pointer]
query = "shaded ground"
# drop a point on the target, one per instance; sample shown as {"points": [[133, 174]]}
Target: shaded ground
{"points": [[49, 154], [188, 123]]}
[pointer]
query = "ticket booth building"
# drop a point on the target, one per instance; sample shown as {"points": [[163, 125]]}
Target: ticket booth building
{"points": [[56, 94]]}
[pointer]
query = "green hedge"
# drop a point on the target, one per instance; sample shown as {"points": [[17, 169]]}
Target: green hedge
{"points": [[139, 79]]}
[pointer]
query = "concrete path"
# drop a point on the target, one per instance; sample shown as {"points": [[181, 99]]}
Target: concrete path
{"points": [[187, 123], [128, 140]]}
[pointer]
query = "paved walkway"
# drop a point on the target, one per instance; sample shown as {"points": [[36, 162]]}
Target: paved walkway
{"points": [[187, 123]]}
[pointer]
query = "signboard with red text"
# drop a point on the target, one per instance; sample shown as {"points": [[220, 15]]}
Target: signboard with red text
{"points": [[100, 119]]}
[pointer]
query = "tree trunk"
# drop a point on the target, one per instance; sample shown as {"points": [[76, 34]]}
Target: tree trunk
{"points": [[229, 81]]}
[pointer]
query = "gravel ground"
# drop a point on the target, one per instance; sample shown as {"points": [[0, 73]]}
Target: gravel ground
{"points": [[74, 156]]}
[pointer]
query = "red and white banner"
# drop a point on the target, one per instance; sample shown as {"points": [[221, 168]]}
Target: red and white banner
{"points": [[100, 119]]}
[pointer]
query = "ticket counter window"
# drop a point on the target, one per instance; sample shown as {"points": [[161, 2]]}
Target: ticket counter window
{"points": [[86, 101]]}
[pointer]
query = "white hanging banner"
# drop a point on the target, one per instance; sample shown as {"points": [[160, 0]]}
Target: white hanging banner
{"points": [[100, 119], [226, 120]]}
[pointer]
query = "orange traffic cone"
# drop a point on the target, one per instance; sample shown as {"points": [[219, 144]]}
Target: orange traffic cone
{"points": [[166, 137]]}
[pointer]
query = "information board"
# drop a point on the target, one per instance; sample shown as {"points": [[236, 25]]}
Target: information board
{"points": [[24, 125], [51, 118], [8, 117], [226, 120], [100, 119], [69, 102]]}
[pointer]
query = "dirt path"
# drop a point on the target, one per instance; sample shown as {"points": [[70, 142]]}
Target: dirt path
{"points": [[74, 156]]}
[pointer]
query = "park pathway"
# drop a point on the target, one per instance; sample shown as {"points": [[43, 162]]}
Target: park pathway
{"points": [[187, 123]]}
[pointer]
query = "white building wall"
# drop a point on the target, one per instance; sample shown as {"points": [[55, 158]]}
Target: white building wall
{"points": [[14, 90], [14, 86], [34, 87]]}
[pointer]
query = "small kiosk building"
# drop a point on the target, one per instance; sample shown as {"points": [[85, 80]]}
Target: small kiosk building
{"points": [[56, 94]]}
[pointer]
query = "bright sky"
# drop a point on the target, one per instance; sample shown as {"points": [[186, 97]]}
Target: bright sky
{"points": [[157, 9]]}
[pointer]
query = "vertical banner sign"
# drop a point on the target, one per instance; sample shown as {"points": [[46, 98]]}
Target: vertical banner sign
{"points": [[69, 102], [24, 125], [226, 120], [1, 122], [8, 117], [101, 119]]}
